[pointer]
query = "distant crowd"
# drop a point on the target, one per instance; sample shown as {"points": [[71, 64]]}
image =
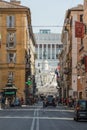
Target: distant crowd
{"points": [[70, 102]]}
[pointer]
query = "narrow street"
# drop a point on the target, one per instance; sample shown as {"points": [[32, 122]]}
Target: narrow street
{"points": [[37, 118]]}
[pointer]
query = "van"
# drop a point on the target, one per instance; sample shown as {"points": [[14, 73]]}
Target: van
{"points": [[80, 111]]}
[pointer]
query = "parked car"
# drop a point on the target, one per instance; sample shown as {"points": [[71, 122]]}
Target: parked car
{"points": [[80, 110], [49, 101]]}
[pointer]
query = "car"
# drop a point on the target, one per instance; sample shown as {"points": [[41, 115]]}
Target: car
{"points": [[49, 101], [80, 111]]}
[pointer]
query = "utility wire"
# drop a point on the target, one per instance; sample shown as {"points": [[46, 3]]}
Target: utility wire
{"points": [[40, 26]]}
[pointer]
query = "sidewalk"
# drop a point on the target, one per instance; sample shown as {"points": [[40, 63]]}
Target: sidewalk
{"points": [[66, 106]]}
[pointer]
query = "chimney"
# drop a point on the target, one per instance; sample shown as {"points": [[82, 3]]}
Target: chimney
{"points": [[15, 2]]}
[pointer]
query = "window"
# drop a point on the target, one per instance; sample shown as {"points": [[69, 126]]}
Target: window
{"points": [[82, 105], [10, 78], [11, 57], [11, 40], [81, 18], [81, 41], [10, 21], [10, 75]]}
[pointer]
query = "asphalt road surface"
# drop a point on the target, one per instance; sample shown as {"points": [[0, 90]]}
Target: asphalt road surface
{"points": [[38, 118]]}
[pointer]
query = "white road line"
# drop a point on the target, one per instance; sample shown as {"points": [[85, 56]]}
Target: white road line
{"points": [[37, 121], [38, 109], [31, 106], [33, 121], [58, 110], [26, 117]]}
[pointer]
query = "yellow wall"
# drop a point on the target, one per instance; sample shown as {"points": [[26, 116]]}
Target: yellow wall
{"points": [[19, 67]]}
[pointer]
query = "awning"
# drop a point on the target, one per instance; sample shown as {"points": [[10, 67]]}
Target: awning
{"points": [[13, 87]]}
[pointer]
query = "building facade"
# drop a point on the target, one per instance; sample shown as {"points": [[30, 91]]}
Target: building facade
{"points": [[48, 46], [72, 45], [82, 64], [17, 45]]}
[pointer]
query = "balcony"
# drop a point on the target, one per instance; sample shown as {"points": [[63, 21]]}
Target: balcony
{"points": [[11, 65]]}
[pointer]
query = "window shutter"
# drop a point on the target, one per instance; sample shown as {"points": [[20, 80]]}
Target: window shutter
{"points": [[7, 43], [14, 57], [13, 21], [8, 58], [7, 21], [14, 39]]}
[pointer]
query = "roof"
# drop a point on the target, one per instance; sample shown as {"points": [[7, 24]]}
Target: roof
{"points": [[79, 7], [5, 4]]}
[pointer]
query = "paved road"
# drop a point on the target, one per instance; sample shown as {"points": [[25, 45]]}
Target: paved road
{"points": [[37, 118]]}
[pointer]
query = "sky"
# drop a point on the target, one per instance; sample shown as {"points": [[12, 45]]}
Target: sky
{"points": [[49, 14]]}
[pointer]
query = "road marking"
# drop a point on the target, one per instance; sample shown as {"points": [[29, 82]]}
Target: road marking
{"points": [[36, 113], [26, 117], [33, 121], [31, 106], [37, 121], [38, 109]]}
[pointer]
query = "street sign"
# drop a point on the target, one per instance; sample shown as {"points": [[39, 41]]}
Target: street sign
{"points": [[9, 93]]}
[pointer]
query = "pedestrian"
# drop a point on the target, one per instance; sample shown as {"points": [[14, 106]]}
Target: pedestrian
{"points": [[6, 103], [22, 101], [3, 102]]}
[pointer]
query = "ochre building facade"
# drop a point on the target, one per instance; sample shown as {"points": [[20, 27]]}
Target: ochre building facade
{"points": [[16, 37]]}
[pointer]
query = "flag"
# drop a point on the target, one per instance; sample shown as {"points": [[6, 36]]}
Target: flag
{"points": [[79, 29]]}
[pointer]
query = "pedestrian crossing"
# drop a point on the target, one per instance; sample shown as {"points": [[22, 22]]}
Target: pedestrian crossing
{"points": [[32, 109], [42, 118], [40, 110]]}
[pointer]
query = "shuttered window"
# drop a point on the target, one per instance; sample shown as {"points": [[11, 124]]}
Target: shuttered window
{"points": [[10, 21], [11, 57], [11, 40]]}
